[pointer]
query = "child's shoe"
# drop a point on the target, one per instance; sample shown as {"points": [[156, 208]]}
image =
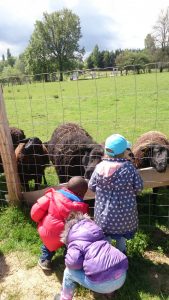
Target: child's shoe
{"points": [[45, 265], [57, 297]]}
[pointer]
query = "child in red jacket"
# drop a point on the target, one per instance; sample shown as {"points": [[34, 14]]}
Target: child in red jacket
{"points": [[50, 212]]}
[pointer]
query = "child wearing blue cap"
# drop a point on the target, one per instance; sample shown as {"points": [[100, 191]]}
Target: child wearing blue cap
{"points": [[116, 182]]}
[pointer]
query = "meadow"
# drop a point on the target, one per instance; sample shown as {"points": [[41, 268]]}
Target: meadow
{"points": [[129, 105]]}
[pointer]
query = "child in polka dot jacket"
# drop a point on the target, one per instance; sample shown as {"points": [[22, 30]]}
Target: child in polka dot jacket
{"points": [[116, 182]]}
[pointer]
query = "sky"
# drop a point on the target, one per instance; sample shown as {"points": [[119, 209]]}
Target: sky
{"points": [[111, 24]]}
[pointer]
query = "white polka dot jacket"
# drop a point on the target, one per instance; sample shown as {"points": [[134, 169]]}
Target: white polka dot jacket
{"points": [[116, 182]]}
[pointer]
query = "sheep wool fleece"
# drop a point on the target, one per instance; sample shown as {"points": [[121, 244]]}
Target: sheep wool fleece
{"points": [[116, 183], [50, 212]]}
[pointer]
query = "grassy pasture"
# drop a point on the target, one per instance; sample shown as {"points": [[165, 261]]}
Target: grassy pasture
{"points": [[129, 105]]}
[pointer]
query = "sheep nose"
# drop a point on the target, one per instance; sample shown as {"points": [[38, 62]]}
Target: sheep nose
{"points": [[162, 167], [88, 174]]}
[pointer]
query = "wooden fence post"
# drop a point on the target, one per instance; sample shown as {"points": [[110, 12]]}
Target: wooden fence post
{"points": [[8, 157]]}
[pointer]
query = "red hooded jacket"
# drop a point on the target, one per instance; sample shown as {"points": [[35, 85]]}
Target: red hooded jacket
{"points": [[50, 212]]}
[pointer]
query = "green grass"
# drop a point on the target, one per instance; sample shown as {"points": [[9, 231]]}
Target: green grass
{"points": [[18, 232], [129, 105]]}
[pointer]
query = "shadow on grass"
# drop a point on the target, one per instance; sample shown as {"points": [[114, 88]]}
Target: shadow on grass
{"points": [[4, 268], [159, 240], [150, 212]]}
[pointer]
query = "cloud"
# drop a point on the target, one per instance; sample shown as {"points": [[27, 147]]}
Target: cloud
{"points": [[110, 24], [17, 19]]}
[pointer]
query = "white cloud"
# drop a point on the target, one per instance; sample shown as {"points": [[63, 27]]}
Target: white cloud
{"points": [[110, 24]]}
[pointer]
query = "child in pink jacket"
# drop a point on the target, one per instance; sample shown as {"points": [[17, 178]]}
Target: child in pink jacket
{"points": [[50, 212]]}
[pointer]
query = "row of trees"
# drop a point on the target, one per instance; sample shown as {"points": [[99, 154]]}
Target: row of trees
{"points": [[54, 45]]}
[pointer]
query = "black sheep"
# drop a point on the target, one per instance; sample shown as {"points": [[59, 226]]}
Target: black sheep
{"points": [[69, 149], [73, 152], [96, 156], [93, 159], [32, 158]]}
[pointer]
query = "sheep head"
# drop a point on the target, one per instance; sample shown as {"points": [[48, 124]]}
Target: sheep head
{"points": [[155, 156], [95, 156], [90, 160], [32, 146]]}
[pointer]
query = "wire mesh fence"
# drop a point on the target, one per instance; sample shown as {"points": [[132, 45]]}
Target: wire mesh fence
{"points": [[100, 102]]}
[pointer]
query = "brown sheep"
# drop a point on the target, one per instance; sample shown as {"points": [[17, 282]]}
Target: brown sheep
{"points": [[152, 150], [17, 134]]}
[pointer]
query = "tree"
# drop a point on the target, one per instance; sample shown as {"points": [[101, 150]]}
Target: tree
{"points": [[149, 43], [89, 62], [132, 60], [35, 56], [161, 30], [55, 41], [150, 47], [96, 56], [105, 59], [10, 58]]}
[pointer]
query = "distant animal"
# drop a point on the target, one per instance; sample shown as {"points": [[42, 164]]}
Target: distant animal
{"points": [[152, 150], [17, 134], [32, 159], [69, 150]]}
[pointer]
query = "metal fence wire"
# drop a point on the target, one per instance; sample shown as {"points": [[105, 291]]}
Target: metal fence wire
{"points": [[129, 101]]}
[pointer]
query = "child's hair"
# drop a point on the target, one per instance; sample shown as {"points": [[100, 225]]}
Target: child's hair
{"points": [[116, 145], [78, 185]]}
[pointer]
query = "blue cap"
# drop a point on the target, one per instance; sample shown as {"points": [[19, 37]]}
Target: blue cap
{"points": [[117, 144]]}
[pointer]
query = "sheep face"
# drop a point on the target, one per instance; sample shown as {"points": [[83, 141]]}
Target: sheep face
{"points": [[17, 135], [95, 157], [91, 160], [156, 156], [129, 155], [32, 146], [159, 158], [32, 158]]}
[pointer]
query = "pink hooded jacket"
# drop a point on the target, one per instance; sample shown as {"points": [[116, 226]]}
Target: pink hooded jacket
{"points": [[50, 212]]}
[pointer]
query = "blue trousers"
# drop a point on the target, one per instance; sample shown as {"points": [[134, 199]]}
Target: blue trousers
{"points": [[120, 243], [72, 277], [46, 254]]}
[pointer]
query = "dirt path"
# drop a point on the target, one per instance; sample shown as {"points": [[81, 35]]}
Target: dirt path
{"points": [[22, 279], [19, 281]]}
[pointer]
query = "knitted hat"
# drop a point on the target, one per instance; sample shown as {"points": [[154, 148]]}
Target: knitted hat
{"points": [[116, 144]]}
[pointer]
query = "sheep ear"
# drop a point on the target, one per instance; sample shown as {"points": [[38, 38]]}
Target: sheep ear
{"points": [[85, 158], [148, 151], [24, 140], [143, 150]]}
